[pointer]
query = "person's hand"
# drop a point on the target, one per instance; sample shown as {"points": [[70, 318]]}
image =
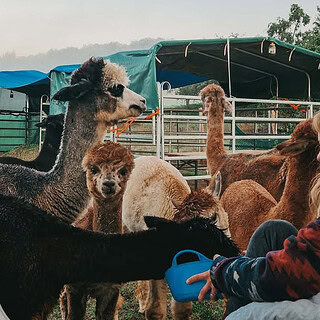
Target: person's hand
{"points": [[203, 276]]}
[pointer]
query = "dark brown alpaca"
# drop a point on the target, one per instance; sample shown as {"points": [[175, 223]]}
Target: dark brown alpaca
{"points": [[108, 167], [248, 204], [238, 166], [50, 148]]}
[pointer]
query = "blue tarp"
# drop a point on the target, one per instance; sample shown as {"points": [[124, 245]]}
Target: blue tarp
{"points": [[30, 82]]}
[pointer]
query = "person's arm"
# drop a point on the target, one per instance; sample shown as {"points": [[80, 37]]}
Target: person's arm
{"points": [[288, 274]]}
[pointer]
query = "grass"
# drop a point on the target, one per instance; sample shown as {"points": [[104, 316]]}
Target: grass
{"points": [[206, 310], [25, 152]]}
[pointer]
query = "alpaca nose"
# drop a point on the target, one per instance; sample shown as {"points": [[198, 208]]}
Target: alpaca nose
{"points": [[108, 187], [143, 101]]}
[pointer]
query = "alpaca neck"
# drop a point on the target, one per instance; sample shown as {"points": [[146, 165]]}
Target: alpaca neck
{"points": [[215, 140], [294, 203], [46, 157], [65, 184], [107, 215]]}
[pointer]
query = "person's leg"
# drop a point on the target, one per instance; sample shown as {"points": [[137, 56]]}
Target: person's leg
{"points": [[269, 236]]}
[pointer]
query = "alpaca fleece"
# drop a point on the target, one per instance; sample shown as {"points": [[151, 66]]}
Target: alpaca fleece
{"points": [[238, 166], [248, 204], [50, 148], [62, 191], [104, 163]]}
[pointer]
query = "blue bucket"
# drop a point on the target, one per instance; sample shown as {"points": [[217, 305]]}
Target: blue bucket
{"points": [[177, 275]]}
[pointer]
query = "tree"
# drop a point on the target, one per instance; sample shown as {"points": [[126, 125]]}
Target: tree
{"points": [[290, 30], [311, 39]]}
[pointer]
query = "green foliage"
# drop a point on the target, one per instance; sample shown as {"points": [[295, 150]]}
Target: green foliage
{"points": [[291, 29], [194, 89], [311, 39]]}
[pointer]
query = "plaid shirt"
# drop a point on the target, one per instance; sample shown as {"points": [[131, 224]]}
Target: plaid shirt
{"points": [[288, 274]]}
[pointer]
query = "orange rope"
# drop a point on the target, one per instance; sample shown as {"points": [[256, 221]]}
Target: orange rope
{"points": [[152, 114], [294, 106], [130, 121]]}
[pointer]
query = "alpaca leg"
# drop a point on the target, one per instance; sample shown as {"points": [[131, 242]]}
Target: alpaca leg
{"points": [[107, 297], [157, 300], [64, 303], [181, 310], [73, 302], [141, 294]]}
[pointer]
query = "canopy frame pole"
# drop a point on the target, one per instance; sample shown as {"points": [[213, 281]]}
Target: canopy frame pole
{"points": [[229, 66], [282, 64], [244, 66], [162, 85]]}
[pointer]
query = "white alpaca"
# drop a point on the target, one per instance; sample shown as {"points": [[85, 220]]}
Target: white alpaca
{"points": [[157, 188]]}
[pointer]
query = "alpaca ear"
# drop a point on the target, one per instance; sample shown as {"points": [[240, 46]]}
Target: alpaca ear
{"points": [[283, 145], [42, 124], [73, 92], [215, 185], [226, 104], [176, 203], [156, 222], [297, 147]]}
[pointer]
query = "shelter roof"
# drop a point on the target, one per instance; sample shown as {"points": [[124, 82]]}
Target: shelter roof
{"points": [[254, 72], [30, 82]]}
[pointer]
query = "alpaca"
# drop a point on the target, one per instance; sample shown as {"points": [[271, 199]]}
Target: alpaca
{"points": [[39, 253], [108, 167], [50, 147], [157, 188], [97, 98], [238, 166], [248, 204]]}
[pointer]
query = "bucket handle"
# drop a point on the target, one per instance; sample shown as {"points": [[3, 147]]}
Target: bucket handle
{"points": [[200, 256]]}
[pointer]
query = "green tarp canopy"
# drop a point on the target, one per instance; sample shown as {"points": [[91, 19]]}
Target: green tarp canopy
{"points": [[140, 66], [292, 72]]}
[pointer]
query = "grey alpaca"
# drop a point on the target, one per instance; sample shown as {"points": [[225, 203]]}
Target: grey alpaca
{"points": [[97, 97]]}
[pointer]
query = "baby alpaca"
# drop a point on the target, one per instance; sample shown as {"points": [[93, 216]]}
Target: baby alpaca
{"points": [[108, 167]]}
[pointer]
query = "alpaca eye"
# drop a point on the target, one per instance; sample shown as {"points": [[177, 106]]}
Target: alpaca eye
{"points": [[116, 90], [123, 171], [94, 170]]}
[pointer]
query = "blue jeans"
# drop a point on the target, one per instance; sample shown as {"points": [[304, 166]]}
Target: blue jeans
{"points": [[269, 236]]}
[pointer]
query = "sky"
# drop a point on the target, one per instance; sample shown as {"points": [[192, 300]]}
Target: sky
{"points": [[35, 26]]}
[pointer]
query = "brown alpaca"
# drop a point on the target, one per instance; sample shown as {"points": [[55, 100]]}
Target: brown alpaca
{"points": [[108, 167], [239, 166], [249, 204], [157, 188]]}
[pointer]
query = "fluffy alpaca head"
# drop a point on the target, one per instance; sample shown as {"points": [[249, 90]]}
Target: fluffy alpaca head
{"points": [[213, 96], [108, 167], [54, 128], [103, 83], [204, 203]]}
